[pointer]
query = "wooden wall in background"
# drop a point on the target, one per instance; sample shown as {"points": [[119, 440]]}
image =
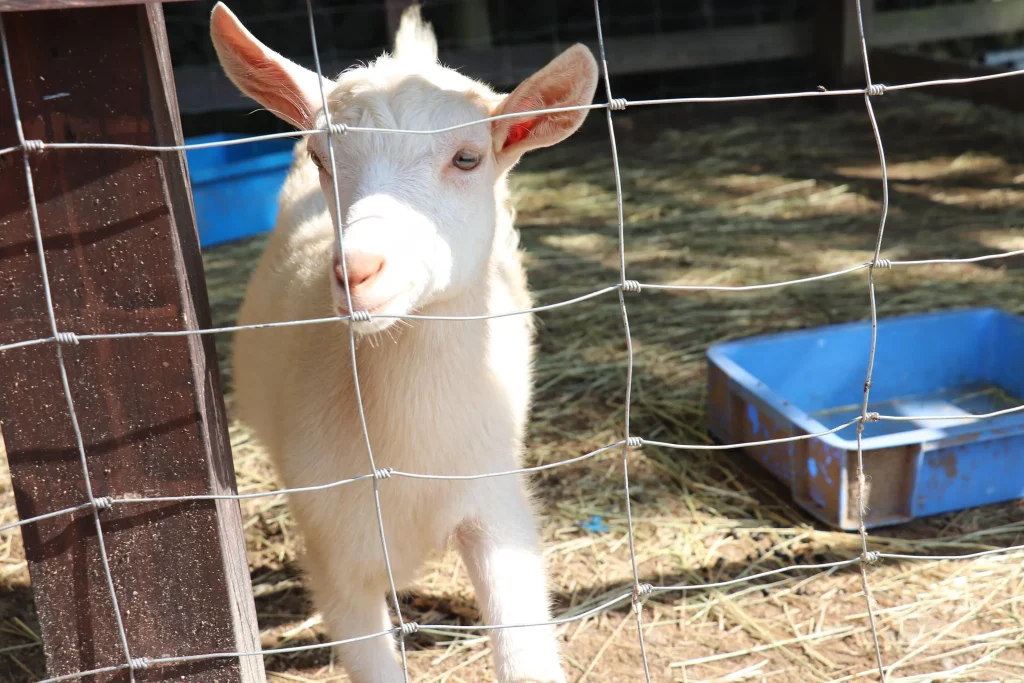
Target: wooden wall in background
{"points": [[830, 39]]}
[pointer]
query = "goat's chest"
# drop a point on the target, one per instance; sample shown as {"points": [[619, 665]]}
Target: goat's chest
{"points": [[434, 407]]}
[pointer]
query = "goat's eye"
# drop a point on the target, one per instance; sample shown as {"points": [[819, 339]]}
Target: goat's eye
{"points": [[466, 160], [316, 160]]}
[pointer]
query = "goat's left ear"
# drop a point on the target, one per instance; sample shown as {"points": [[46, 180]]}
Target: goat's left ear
{"points": [[278, 84], [569, 80]]}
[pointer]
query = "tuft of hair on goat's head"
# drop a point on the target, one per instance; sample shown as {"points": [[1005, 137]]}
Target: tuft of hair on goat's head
{"points": [[415, 39], [421, 212]]}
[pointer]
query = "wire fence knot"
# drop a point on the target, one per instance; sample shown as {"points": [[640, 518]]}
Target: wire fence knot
{"points": [[383, 473], [103, 503], [409, 628], [618, 104], [875, 90], [872, 417], [870, 556], [66, 338], [138, 663], [338, 129], [882, 263], [359, 316], [634, 442], [33, 146], [641, 591], [631, 286]]}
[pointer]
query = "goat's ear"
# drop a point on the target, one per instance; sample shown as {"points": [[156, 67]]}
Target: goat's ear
{"points": [[283, 87], [569, 80]]}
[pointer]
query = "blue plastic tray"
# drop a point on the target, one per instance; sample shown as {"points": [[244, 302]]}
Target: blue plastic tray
{"points": [[961, 363], [235, 188]]}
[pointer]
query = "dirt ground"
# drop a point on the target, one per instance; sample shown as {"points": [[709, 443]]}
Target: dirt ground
{"points": [[719, 196]]}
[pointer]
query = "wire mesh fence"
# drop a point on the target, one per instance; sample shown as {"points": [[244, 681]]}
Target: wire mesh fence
{"points": [[377, 475]]}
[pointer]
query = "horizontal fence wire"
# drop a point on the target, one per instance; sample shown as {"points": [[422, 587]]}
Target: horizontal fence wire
{"points": [[387, 472], [638, 590], [619, 104], [634, 442], [631, 286]]}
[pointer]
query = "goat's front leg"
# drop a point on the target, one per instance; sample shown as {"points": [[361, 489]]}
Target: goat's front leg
{"points": [[358, 614], [501, 551], [353, 606]]}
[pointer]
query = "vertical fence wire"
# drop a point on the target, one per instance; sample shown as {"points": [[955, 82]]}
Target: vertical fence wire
{"points": [[861, 479], [339, 227], [59, 348], [638, 588]]}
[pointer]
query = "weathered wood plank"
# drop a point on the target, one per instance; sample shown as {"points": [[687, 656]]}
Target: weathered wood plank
{"points": [[473, 24], [945, 22], [394, 9], [123, 255], [837, 45], [28, 5], [205, 88], [891, 66], [831, 39]]}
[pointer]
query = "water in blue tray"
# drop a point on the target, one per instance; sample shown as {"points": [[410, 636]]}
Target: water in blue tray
{"points": [[959, 402]]}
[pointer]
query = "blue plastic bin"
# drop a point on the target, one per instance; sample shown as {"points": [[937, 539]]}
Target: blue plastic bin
{"points": [[960, 363], [235, 188]]}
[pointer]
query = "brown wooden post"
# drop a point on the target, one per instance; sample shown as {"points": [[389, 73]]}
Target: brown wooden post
{"points": [[394, 9], [123, 255], [473, 25], [891, 66], [837, 51]]}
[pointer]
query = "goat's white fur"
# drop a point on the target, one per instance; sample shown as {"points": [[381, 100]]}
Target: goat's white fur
{"points": [[439, 397]]}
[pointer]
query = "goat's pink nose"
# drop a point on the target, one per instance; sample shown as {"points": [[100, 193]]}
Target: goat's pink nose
{"points": [[363, 269]]}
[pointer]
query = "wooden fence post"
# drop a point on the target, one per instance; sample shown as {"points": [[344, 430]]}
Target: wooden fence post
{"points": [[123, 255], [472, 27], [837, 50], [393, 9]]}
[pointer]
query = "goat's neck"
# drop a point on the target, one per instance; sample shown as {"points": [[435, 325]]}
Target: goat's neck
{"points": [[435, 336], [479, 299]]}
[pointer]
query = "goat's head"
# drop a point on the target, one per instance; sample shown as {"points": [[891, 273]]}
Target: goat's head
{"points": [[418, 213]]}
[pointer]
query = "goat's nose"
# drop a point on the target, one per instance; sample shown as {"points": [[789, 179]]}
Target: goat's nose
{"points": [[362, 269]]}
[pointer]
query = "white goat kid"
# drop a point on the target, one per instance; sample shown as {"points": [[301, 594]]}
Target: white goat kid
{"points": [[427, 229]]}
